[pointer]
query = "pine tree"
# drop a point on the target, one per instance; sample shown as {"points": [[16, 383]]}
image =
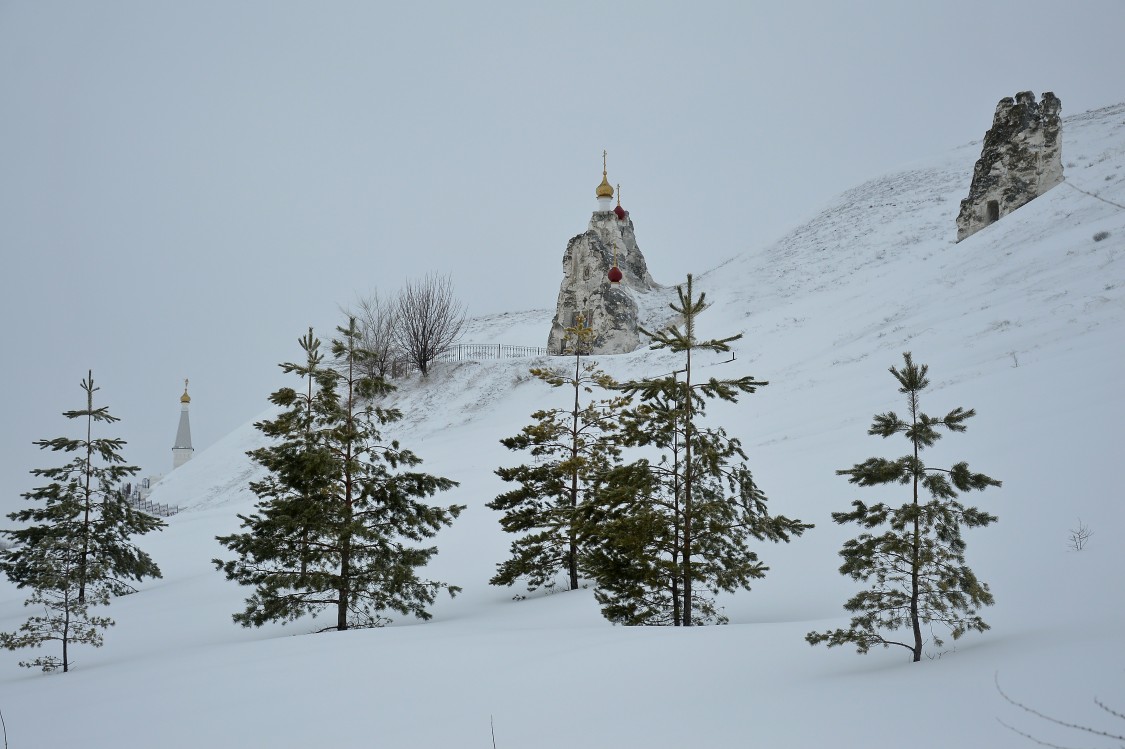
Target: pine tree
{"points": [[299, 477], [668, 534], [570, 448], [61, 573], [339, 515], [917, 563], [84, 504]]}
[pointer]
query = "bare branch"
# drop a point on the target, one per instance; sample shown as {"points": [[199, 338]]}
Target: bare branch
{"points": [[1079, 536], [1056, 721], [1040, 742]]}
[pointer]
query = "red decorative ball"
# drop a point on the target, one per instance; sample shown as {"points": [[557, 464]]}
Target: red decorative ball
{"points": [[621, 213], [615, 275]]}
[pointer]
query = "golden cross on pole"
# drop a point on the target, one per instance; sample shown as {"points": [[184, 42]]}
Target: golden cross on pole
{"points": [[604, 154]]}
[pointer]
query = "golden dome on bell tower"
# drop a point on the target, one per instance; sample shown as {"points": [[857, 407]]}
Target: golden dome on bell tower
{"points": [[185, 398]]}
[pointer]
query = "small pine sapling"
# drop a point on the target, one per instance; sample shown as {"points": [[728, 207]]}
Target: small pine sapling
{"points": [[914, 556], [66, 617], [84, 502]]}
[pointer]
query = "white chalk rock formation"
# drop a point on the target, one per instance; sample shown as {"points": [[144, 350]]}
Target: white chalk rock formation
{"points": [[607, 308], [1021, 159]]}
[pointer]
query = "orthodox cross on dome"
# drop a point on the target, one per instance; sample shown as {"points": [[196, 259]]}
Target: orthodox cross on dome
{"points": [[185, 398], [605, 190], [620, 212]]}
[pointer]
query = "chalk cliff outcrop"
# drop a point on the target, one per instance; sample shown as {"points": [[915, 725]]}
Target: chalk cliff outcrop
{"points": [[607, 308], [1021, 159]]}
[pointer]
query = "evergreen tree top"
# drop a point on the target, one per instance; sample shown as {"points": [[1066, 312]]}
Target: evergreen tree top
{"points": [[676, 339], [349, 353], [921, 431], [577, 338], [310, 344], [106, 449], [97, 414]]}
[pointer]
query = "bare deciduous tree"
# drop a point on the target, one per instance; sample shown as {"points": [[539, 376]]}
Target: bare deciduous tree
{"points": [[1080, 536], [430, 320], [376, 318]]}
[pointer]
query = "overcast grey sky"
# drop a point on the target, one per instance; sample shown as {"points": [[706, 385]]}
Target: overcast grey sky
{"points": [[185, 187]]}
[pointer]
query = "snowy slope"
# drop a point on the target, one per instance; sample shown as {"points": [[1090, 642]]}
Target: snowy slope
{"points": [[1023, 321]]}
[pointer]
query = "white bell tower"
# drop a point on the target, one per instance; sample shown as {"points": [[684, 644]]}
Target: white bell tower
{"points": [[182, 449]]}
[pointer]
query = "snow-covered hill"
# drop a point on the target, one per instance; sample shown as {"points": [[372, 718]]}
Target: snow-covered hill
{"points": [[1024, 321]]}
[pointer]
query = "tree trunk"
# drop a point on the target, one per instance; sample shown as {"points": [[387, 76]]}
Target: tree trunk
{"points": [[345, 537], [343, 600], [572, 555], [308, 446], [304, 557], [344, 585], [688, 477], [915, 560], [82, 562], [66, 627], [677, 604]]}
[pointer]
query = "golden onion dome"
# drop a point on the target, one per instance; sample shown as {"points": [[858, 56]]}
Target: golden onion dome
{"points": [[185, 398], [605, 190]]}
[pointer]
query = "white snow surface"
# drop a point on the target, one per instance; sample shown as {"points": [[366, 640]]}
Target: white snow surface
{"points": [[1023, 321]]}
